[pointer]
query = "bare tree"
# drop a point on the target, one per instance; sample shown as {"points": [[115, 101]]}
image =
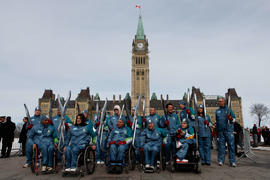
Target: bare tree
{"points": [[259, 110], [18, 130]]}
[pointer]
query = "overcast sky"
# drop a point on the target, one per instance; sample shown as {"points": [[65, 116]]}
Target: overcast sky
{"points": [[70, 44]]}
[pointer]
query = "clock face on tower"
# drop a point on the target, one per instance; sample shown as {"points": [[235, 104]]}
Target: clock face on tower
{"points": [[140, 45]]}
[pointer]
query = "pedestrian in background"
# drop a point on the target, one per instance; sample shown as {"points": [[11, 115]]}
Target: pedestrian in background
{"points": [[8, 137], [255, 135], [23, 135]]}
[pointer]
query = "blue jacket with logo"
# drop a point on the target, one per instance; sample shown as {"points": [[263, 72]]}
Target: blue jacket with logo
{"points": [[155, 119], [174, 123], [222, 122], [121, 134], [80, 135], [190, 118], [204, 130], [43, 135], [114, 120]]}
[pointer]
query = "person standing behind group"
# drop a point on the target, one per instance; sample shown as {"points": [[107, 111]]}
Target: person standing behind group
{"points": [[170, 125], [23, 135], [255, 135], [204, 136], [8, 137], [225, 119]]}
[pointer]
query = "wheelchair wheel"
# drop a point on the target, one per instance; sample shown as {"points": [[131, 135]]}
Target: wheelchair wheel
{"points": [[34, 165], [55, 163], [131, 158], [89, 160], [80, 161], [172, 164], [162, 159]]}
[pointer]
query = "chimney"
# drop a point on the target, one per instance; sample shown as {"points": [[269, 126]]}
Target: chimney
{"points": [[113, 98], [161, 97], [120, 98], [167, 97]]}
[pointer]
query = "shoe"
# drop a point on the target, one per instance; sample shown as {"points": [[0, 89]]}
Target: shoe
{"points": [[49, 168], [73, 170], [184, 161], [26, 165], [98, 162], [43, 169], [233, 165], [102, 162], [152, 167], [67, 169], [178, 160], [220, 164], [158, 164], [147, 166]]}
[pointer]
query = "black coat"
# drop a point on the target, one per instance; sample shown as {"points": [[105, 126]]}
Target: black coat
{"points": [[1, 130], [23, 134], [254, 130], [8, 131]]}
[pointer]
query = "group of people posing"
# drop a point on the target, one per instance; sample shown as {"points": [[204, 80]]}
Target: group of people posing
{"points": [[173, 132]]}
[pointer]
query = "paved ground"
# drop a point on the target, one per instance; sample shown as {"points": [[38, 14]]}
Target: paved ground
{"points": [[12, 169]]}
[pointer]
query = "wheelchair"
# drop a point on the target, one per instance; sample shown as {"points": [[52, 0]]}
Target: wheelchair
{"points": [[192, 156], [86, 162], [37, 163], [160, 162], [118, 167]]}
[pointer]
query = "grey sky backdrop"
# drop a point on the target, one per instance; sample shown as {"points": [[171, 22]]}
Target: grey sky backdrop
{"points": [[71, 44]]}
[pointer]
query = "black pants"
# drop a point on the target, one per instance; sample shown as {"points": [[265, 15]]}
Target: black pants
{"points": [[6, 148], [23, 148]]}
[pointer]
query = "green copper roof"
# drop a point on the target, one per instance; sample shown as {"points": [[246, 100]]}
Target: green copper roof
{"points": [[140, 31], [127, 97], [154, 96], [97, 98]]}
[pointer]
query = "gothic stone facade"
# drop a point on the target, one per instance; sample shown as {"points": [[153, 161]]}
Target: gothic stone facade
{"points": [[88, 102]]}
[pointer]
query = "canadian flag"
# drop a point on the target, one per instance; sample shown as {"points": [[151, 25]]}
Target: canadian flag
{"points": [[137, 6]]}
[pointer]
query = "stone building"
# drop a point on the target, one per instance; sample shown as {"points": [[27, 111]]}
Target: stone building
{"points": [[140, 86]]}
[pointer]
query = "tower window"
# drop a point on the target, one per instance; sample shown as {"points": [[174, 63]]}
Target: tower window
{"points": [[142, 72], [142, 78], [136, 60], [138, 73], [143, 60]]}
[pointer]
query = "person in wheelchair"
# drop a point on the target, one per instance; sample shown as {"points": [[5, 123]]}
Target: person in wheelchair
{"points": [[152, 137], [77, 140], [184, 138], [45, 139], [118, 142]]}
